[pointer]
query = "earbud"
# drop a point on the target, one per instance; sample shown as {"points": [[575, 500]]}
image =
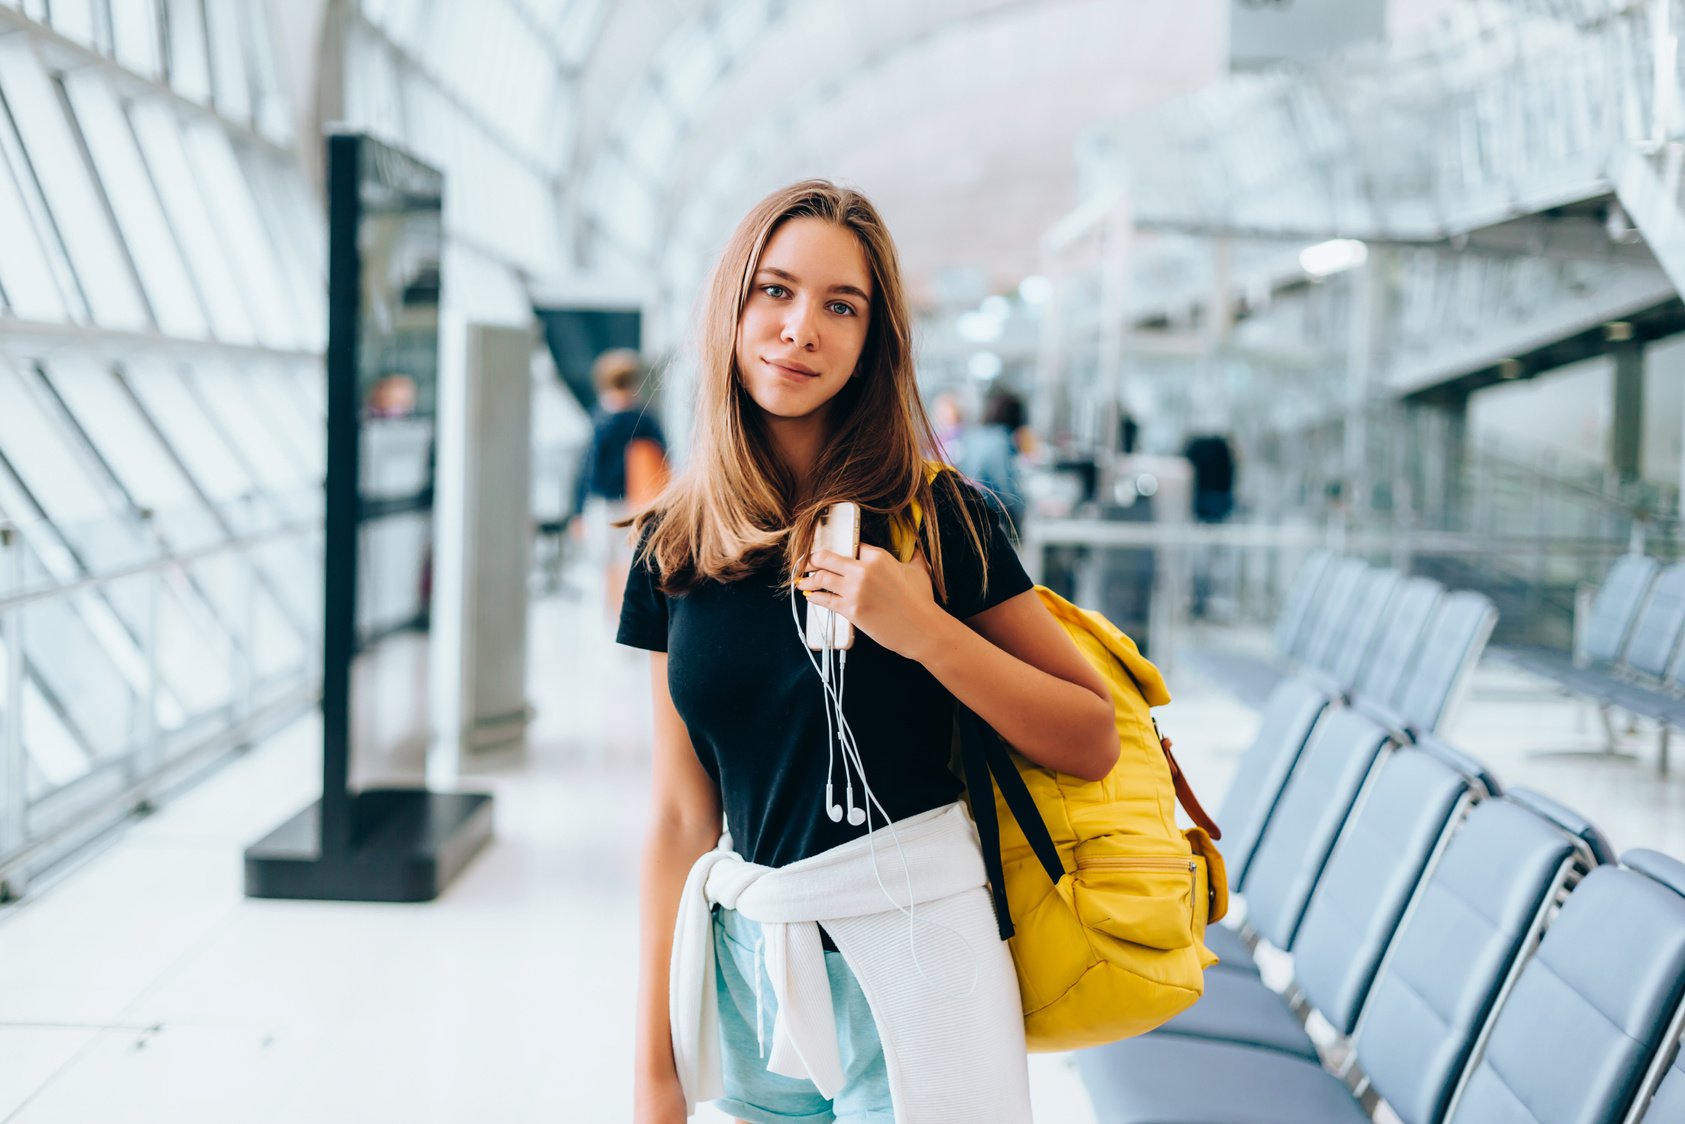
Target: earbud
{"points": [[832, 808], [856, 816]]}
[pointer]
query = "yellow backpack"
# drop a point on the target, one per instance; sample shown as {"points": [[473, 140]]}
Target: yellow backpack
{"points": [[1102, 898]]}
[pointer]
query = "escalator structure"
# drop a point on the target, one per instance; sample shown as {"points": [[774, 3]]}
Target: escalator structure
{"points": [[1577, 522]]}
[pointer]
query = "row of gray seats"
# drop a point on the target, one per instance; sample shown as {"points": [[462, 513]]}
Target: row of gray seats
{"points": [[1467, 955], [1400, 647], [1630, 656]]}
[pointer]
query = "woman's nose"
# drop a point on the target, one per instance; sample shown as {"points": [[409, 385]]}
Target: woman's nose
{"points": [[799, 327]]}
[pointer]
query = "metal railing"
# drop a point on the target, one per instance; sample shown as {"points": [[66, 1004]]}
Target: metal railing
{"points": [[43, 818], [1257, 561]]}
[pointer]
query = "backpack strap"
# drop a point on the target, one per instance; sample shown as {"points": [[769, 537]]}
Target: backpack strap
{"points": [[982, 754], [1184, 790]]}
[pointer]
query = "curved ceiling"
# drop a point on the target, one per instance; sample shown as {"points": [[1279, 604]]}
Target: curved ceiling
{"points": [[960, 118]]}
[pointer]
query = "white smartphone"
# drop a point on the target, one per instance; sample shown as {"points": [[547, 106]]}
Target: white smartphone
{"points": [[838, 531]]}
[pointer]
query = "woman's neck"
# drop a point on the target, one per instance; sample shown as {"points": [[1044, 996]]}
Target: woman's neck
{"points": [[798, 441]]}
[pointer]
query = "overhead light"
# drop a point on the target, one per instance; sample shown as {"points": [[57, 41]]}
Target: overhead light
{"points": [[1035, 290], [1333, 256], [1510, 369], [978, 327], [1618, 331], [985, 366], [995, 306]]}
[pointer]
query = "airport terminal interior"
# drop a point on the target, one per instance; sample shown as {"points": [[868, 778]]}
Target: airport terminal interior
{"points": [[1332, 350]]}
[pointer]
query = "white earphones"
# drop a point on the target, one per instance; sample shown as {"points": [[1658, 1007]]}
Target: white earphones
{"points": [[839, 733], [834, 734]]}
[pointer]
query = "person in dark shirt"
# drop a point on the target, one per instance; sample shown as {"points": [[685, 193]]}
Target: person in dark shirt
{"points": [[806, 396], [625, 466], [1213, 463]]}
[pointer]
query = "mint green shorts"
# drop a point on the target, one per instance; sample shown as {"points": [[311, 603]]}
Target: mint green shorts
{"points": [[754, 1094]]}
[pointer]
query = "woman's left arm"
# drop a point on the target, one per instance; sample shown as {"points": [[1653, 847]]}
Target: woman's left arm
{"points": [[1012, 664]]}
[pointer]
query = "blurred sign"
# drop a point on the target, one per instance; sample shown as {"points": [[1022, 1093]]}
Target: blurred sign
{"points": [[1262, 32]]}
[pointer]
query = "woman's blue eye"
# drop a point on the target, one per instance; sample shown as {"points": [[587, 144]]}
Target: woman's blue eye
{"points": [[775, 290], [842, 308]]}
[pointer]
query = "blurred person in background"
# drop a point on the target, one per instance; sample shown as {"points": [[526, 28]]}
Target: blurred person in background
{"points": [[1213, 463], [625, 467], [989, 455], [947, 415]]}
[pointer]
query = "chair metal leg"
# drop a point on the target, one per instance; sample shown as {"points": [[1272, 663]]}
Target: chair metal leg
{"points": [[1611, 750]]}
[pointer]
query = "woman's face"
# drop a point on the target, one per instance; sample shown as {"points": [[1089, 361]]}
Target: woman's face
{"points": [[804, 323]]}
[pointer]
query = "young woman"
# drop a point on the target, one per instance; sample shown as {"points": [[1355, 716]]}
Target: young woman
{"points": [[834, 956]]}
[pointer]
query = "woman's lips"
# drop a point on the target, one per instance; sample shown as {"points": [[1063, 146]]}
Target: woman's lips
{"points": [[794, 374]]}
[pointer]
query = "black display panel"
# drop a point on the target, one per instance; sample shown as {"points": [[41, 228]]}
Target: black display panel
{"points": [[576, 336], [385, 237], [385, 232]]}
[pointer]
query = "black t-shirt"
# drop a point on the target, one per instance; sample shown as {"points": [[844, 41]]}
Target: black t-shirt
{"points": [[755, 708]]}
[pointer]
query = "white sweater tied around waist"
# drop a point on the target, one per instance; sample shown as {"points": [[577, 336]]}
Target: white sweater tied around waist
{"points": [[953, 1045]]}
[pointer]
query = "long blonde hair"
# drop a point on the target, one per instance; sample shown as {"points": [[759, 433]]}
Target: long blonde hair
{"points": [[735, 504]]}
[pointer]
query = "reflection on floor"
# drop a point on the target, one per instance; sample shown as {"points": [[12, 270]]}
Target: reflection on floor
{"points": [[143, 987]]}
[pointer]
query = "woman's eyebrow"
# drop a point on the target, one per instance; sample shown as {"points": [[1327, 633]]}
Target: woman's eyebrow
{"points": [[794, 280]]}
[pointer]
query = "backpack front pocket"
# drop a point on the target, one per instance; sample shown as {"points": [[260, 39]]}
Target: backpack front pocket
{"points": [[1146, 899]]}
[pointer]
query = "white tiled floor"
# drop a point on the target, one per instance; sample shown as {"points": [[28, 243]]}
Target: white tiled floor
{"points": [[143, 987]]}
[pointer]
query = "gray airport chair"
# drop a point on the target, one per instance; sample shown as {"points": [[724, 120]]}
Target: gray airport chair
{"points": [[1286, 722], [1332, 613], [1482, 908], [1669, 1102], [1301, 597], [1654, 680], [1613, 613], [1368, 616], [1313, 808], [1448, 652], [1383, 677], [1655, 635], [1294, 845], [1419, 796], [1593, 1008], [1283, 728]]}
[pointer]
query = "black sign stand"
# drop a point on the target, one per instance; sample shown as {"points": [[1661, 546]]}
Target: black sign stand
{"points": [[386, 844]]}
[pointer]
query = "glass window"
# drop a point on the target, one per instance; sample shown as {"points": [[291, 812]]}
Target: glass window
{"points": [[371, 86], [152, 247], [231, 89], [580, 24], [27, 274], [234, 215], [738, 24], [152, 477], [44, 455], [689, 65], [83, 221], [190, 74], [227, 397], [178, 414], [73, 19], [160, 142], [134, 23], [296, 233], [403, 20], [275, 389], [651, 133], [272, 112]]}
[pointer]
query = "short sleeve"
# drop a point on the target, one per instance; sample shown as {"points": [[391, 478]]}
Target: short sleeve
{"points": [[962, 571], [643, 609], [647, 428]]}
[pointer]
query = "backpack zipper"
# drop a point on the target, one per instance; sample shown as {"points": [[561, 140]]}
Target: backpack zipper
{"points": [[1144, 862]]}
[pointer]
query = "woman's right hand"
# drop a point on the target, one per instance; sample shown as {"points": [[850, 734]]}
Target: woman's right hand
{"points": [[659, 1103]]}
